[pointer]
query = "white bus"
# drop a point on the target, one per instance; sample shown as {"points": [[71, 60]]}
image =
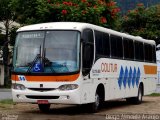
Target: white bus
{"points": [[81, 63]]}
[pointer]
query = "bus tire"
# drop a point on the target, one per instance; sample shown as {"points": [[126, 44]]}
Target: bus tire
{"points": [[138, 99], [44, 107], [93, 107]]}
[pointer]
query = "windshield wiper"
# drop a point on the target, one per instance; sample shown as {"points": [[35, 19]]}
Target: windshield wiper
{"points": [[38, 56], [43, 60]]}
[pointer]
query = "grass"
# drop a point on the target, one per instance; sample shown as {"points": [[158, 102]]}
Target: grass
{"points": [[6, 103], [154, 94]]}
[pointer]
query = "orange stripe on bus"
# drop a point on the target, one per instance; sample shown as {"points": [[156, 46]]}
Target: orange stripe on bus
{"points": [[148, 69], [13, 77], [66, 78]]}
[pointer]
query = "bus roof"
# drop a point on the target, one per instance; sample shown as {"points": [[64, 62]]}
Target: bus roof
{"points": [[80, 26]]}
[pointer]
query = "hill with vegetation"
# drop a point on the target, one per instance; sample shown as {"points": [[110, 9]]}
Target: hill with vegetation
{"points": [[126, 5]]}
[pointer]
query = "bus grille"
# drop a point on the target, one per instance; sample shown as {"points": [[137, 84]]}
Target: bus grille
{"points": [[42, 89], [42, 97]]}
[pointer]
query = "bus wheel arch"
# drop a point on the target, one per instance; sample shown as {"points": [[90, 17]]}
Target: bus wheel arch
{"points": [[101, 92], [142, 87], [138, 99], [99, 98]]}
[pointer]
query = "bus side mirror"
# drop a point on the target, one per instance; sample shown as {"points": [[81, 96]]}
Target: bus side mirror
{"points": [[88, 53]]}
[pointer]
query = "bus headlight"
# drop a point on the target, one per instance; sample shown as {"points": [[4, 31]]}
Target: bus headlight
{"points": [[68, 87], [18, 86]]}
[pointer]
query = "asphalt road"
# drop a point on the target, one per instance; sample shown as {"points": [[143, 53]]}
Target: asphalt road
{"points": [[5, 94]]}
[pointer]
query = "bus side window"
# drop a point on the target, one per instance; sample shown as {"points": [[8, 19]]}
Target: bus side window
{"points": [[106, 44], [88, 51], [148, 52], [102, 44], [99, 43], [139, 51], [153, 54], [116, 47], [128, 49]]}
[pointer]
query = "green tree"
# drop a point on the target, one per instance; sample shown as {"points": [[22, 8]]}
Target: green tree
{"points": [[144, 22], [6, 18], [99, 12], [25, 11], [2, 39]]}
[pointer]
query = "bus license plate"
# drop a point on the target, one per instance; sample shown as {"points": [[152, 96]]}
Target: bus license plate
{"points": [[42, 102]]}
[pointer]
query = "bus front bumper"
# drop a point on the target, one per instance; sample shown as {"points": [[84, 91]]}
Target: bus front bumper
{"points": [[56, 96]]}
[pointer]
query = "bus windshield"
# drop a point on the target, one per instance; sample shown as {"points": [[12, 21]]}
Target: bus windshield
{"points": [[47, 52]]}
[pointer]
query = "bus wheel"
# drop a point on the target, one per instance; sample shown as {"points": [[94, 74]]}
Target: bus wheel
{"points": [[44, 107], [93, 107], [138, 99]]}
